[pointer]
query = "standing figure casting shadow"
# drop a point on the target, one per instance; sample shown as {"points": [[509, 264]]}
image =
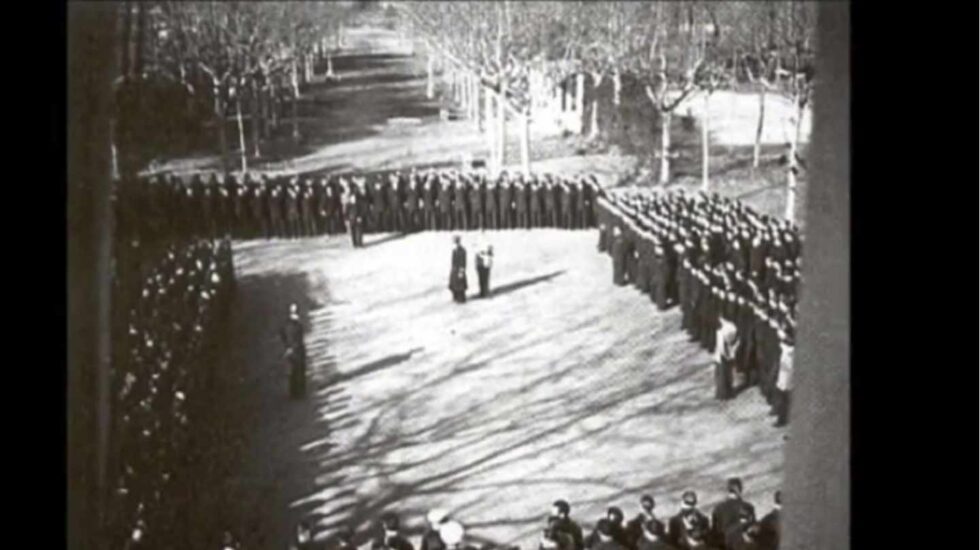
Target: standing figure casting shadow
{"points": [[457, 272]]}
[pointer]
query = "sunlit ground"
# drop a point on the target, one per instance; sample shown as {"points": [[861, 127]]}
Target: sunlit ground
{"points": [[560, 385]]}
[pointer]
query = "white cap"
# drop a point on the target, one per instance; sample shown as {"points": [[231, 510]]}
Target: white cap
{"points": [[451, 533]]}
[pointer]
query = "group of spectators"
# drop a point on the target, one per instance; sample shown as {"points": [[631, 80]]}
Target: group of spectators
{"points": [[731, 525], [165, 355], [265, 206], [733, 272]]}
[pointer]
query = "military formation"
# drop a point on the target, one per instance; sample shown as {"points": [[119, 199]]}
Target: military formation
{"points": [[163, 372], [733, 272], [731, 524], [270, 206]]}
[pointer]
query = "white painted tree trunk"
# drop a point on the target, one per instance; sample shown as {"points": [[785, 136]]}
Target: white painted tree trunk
{"points": [[256, 120], [491, 130], [580, 102], [757, 146], [617, 88], [295, 99], [594, 123], [705, 143], [502, 124], [330, 73], [665, 117], [241, 132], [793, 166], [219, 116], [526, 142]]}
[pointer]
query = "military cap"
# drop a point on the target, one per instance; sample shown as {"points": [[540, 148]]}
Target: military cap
{"points": [[689, 498]]}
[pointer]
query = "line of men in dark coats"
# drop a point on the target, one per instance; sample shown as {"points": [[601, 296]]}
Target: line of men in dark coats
{"points": [[163, 370], [263, 206], [731, 525], [733, 272]]}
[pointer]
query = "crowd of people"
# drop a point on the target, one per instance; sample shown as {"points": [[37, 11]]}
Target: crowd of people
{"points": [[163, 371], [733, 272], [295, 206], [732, 524]]}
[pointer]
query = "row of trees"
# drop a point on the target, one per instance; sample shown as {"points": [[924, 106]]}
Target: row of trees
{"points": [[669, 50], [216, 60]]}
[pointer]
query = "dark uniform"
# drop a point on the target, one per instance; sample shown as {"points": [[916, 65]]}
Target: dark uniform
{"points": [[292, 338], [412, 222], [477, 219], [457, 274], [355, 217], [275, 208], [445, 204], [521, 196], [536, 198], [549, 193], [396, 209], [308, 208], [490, 206], [429, 204], [505, 203], [292, 200], [619, 259], [460, 218]]}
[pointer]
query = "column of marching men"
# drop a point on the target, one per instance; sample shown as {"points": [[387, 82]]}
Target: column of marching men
{"points": [[733, 272], [171, 310], [264, 206]]}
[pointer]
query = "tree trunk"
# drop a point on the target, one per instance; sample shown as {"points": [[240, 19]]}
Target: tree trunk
{"points": [[665, 117], [272, 103], [491, 128], [757, 147], [140, 34], [594, 124], [617, 87], [127, 23], [580, 101], [295, 101], [526, 142], [219, 115], [256, 120], [793, 165], [330, 66], [502, 124], [241, 131], [430, 91], [705, 145]]}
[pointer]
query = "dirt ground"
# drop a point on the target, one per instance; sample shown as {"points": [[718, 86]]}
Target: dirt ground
{"points": [[560, 385]]}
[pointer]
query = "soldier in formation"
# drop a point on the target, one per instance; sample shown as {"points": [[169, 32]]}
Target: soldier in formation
{"points": [[734, 274], [169, 314], [276, 206]]}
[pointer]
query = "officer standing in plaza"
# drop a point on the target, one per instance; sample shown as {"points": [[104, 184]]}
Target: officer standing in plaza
{"points": [[490, 206], [484, 261], [292, 338], [457, 272]]}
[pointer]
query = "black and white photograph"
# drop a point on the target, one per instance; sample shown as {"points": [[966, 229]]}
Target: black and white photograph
{"points": [[458, 275]]}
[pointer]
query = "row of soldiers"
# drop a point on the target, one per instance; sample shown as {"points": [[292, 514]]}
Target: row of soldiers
{"points": [[163, 372], [266, 206], [731, 525], [733, 272]]}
